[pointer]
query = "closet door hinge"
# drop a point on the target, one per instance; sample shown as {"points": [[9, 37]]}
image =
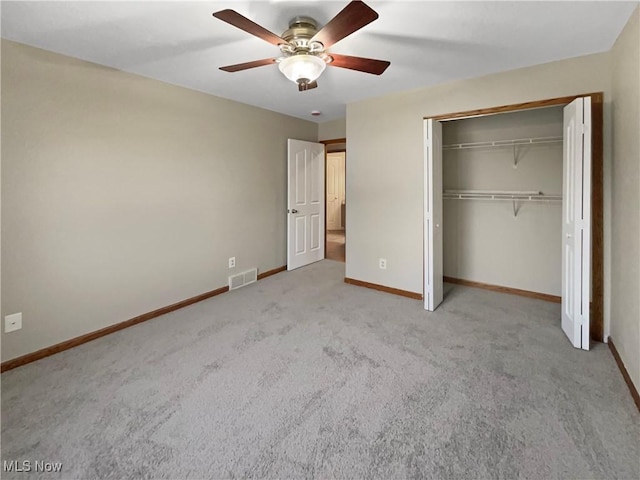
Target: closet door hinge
{"points": [[582, 129]]}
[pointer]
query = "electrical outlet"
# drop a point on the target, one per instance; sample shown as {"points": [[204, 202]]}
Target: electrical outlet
{"points": [[382, 263], [13, 322], [232, 262]]}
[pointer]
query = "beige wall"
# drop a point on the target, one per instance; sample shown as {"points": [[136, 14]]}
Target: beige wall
{"points": [[385, 166], [332, 130], [483, 240], [625, 235], [122, 194]]}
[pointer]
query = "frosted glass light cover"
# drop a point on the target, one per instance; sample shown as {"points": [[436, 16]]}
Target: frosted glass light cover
{"points": [[298, 67]]}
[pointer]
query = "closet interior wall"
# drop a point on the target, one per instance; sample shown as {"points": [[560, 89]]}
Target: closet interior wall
{"points": [[499, 242]]}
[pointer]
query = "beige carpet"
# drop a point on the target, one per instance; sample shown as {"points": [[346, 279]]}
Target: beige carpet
{"points": [[304, 376]]}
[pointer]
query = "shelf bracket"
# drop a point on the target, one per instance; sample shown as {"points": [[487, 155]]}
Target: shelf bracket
{"points": [[515, 156], [516, 208]]}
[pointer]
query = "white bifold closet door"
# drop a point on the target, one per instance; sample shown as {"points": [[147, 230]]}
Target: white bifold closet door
{"points": [[433, 253], [305, 204], [576, 222]]}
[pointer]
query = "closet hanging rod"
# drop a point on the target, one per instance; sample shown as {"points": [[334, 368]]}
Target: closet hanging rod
{"points": [[532, 196], [541, 198], [503, 143], [495, 192]]}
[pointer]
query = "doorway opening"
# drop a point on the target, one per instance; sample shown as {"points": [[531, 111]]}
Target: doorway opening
{"points": [[336, 209]]}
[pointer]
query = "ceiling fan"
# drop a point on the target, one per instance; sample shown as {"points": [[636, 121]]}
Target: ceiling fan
{"points": [[304, 47]]}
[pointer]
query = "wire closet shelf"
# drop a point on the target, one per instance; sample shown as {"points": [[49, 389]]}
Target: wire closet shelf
{"points": [[516, 197], [528, 195], [503, 143]]}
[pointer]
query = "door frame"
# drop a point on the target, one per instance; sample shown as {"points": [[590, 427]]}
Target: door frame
{"points": [[597, 188], [333, 141]]}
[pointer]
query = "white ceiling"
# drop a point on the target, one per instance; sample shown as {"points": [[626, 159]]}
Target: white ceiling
{"points": [[426, 42]]}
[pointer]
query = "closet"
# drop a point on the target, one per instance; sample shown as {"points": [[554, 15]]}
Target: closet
{"points": [[509, 201], [502, 208]]}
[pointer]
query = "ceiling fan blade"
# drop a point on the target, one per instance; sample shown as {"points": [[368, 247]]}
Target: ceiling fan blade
{"points": [[353, 17], [307, 86], [243, 23], [367, 65], [245, 66]]}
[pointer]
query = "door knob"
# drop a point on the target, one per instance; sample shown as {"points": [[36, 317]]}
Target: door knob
{"points": [[294, 211]]}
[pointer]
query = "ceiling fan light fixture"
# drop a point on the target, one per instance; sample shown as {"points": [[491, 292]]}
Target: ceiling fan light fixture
{"points": [[303, 46], [302, 68]]}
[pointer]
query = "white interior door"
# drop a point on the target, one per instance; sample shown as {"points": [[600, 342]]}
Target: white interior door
{"points": [[576, 222], [433, 254], [335, 190], [305, 204]]}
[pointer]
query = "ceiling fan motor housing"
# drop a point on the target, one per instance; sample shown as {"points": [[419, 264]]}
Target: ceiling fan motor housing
{"points": [[301, 31]]}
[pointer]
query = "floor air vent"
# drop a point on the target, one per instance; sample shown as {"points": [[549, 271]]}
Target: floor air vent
{"points": [[242, 279]]}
